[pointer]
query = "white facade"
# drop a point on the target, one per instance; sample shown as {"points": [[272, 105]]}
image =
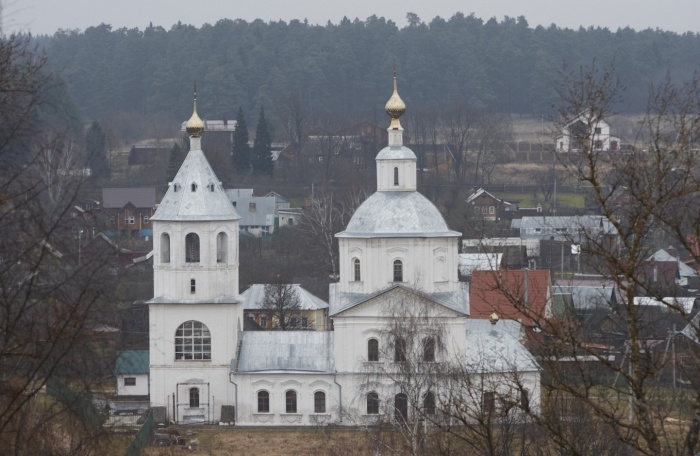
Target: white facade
{"points": [[132, 385], [396, 253], [597, 137]]}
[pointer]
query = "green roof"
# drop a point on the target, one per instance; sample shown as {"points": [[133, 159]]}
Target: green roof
{"points": [[132, 362]]}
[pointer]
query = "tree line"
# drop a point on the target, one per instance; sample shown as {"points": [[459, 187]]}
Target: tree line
{"points": [[506, 65]]}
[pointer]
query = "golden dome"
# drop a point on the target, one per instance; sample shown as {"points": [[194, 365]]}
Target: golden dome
{"points": [[395, 107], [195, 126]]}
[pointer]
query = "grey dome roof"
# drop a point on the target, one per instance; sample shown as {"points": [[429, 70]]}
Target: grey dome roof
{"points": [[397, 214], [204, 201], [396, 153]]}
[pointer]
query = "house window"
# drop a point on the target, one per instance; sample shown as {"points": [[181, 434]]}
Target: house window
{"points": [[398, 271], [290, 401], [492, 210], [488, 402], [192, 341], [598, 144], [356, 270], [429, 403], [598, 130], [290, 222], [304, 322], [396, 176], [252, 207], [263, 402], [165, 248], [372, 403], [146, 219], [400, 350], [319, 402], [401, 407], [129, 381], [129, 220], [193, 286], [221, 247], [194, 397], [373, 350], [429, 350], [484, 209], [192, 248], [263, 321], [525, 399], [477, 210]]}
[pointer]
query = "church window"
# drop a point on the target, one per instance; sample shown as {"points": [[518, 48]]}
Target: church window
{"points": [[488, 402], [194, 397], [165, 248], [193, 286], [400, 350], [221, 247], [194, 187], [319, 402], [429, 403], [290, 401], [373, 350], [372, 403], [192, 341], [210, 187], [429, 350], [263, 402], [398, 271], [357, 276], [396, 176], [192, 248], [401, 407]]}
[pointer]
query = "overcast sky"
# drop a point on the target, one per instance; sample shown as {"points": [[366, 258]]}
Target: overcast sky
{"points": [[47, 16]]}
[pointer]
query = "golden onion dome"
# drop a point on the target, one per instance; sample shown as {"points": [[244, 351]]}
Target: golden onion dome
{"points": [[195, 126], [395, 107]]}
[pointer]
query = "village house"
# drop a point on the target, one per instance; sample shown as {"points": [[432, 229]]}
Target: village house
{"points": [[483, 205], [129, 210]]}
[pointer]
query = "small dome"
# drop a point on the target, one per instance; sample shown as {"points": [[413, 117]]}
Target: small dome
{"points": [[395, 107], [396, 153], [195, 126], [389, 214]]}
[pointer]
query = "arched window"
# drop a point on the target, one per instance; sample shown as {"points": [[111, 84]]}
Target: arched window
{"points": [[373, 350], [194, 187], [398, 271], [401, 407], [165, 248], [192, 341], [192, 248], [400, 350], [396, 176], [429, 349], [221, 247], [263, 402], [356, 270], [429, 403], [372, 403], [319, 402], [194, 397], [291, 401]]}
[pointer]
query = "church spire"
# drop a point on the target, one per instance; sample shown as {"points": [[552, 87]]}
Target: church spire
{"points": [[395, 107]]}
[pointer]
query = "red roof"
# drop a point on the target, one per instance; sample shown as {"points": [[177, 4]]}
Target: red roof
{"points": [[504, 291]]}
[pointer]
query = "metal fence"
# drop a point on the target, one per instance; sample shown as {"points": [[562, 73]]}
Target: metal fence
{"points": [[142, 438]]}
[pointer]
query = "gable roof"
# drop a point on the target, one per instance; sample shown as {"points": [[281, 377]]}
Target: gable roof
{"points": [[663, 256], [132, 362], [264, 207], [457, 301], [480, 192], [305, 351], [195, 194], [254, 296], [589, 294], [116, 198], [504, 291]]}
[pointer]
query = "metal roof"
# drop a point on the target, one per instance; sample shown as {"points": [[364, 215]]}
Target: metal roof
{"points": [[588, 294], [663, 256], [253, 210], [116, 198], [396, 153], [132, 362], [305, 351], [195, 194], [491, 350], [253, 298], [456, 300], [397, 214]]}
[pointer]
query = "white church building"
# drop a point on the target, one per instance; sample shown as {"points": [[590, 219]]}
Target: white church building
{"points": [[395, 253]]}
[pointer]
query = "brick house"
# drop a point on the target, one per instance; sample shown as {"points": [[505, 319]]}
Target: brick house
{"points": [[130, 210], [485, 206]]}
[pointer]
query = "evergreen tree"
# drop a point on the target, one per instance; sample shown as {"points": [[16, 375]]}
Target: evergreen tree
{"points": [[240, 151], [95, 147], [177, 156], [262, 147]]}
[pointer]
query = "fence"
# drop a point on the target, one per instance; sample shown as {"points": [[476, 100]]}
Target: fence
{"points": [[143, 436]]}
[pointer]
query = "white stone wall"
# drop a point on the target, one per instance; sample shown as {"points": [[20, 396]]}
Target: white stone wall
{"points": [[429, 264], [139, 389], [407, 175]]}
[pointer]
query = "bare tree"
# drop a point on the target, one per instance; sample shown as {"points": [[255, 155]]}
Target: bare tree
{"points": [[459, 123], [58, 165], [282, 301], [494, 131]]}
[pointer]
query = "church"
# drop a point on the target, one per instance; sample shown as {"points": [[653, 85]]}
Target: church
{"points": [[398, 263]]}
